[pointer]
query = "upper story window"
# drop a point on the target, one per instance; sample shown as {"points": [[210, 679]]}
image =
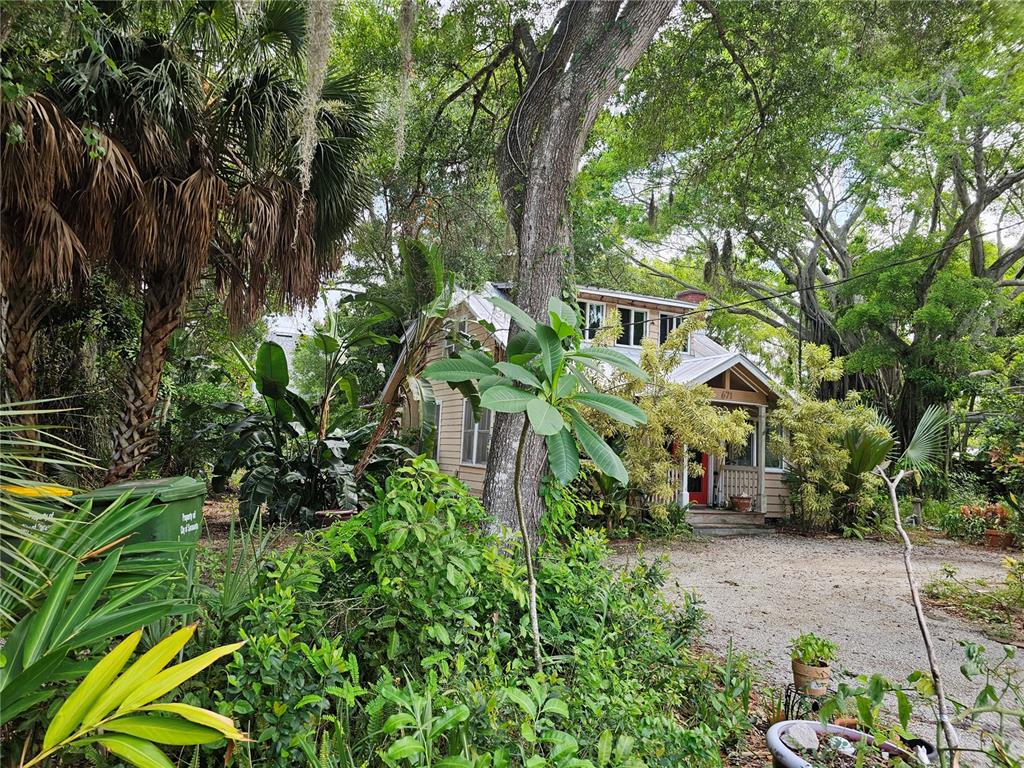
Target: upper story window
{"points": [[634, 326], [669, 323], [593, 318]]}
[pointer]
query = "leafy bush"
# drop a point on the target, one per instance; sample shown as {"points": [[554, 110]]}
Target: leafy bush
{"points": [[191, 441], [425, 570], [959, 522], [820, 439], [297, 456], [283, 681], [445, 596], [401, 636]]}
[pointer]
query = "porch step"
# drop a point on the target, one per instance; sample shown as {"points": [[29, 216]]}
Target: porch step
{"points": [[718, 517], [716, 531]]}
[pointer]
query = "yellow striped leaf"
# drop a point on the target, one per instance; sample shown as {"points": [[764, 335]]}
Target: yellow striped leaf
{"points": [[174, 676], [145, 668], [138, 752], [202, 716], [163, 730], [72, 711]]}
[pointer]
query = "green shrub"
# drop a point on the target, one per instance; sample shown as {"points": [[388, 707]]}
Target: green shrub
{"points": [[282, 682], [428, 578], [442, 599], [402, 635], [952, 520]]}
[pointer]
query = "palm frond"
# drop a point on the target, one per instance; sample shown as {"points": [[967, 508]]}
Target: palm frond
{"points": [[40, 527], [281, 28], [928, 442], [866, 450]]}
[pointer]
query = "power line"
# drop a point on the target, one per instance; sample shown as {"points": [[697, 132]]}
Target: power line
{"points": [[826, 285]]}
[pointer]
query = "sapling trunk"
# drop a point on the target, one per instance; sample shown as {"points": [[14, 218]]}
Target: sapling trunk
{"points": [[531, 579], [948, 730]]}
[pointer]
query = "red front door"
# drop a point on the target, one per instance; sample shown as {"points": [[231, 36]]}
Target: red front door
{"points": [[698, 486]]}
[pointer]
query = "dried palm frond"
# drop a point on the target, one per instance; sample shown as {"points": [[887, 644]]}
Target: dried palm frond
{"points": [[51, 252], [110, 182], [192, 221], [41, 154]]}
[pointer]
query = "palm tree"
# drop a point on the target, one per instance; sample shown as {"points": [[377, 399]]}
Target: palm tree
{"points": [[201, 104], [61, 191]]}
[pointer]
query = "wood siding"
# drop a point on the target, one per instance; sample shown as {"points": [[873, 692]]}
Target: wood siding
{"points": [[449, 447], [449, 443]]}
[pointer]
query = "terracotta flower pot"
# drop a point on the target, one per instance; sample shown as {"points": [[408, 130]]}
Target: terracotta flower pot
{"points": [[741, 503], [811, 681], [996, 538]]}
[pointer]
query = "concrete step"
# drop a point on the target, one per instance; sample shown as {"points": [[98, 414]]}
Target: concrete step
{"points": [[717, 531], [699, 517]]}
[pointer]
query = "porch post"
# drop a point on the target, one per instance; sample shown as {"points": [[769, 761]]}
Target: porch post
{"points": [[686, 474], [762, 506]]}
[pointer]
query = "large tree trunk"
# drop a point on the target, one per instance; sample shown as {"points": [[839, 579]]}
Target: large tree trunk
{"points": [[25, 312], [135, 433], [591, 48]]}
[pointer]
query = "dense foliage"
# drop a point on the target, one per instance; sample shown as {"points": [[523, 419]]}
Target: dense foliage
{"points": [[297, 456], [831, 484], [679, 416], [402, 636]]}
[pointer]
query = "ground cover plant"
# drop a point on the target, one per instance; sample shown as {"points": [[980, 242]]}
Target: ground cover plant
{"points": [[997, 607], [404, 633]]}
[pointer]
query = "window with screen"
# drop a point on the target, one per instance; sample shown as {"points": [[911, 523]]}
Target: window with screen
{"points": [[669, 323], [773, 460], [634, 326], [593, 318], [744, 454], [430, 428], [453, 342], [476, 435]]}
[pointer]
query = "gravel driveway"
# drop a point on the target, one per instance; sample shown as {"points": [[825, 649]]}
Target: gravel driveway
{"points": [[762, 591]]}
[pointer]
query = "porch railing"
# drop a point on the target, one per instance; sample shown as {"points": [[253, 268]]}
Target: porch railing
{"points": [[737, 481]]}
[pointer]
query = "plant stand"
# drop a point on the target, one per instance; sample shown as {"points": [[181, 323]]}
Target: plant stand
{"points": [[801, 706]]}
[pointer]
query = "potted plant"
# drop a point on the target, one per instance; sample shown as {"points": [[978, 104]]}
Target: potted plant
{"points": [[997, 525], [741, 502], [811, 655]]}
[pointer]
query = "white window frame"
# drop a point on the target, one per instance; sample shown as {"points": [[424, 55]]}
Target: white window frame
{"points": [[630, 327], [675, 321], [781, 466], [585, 305], [437, 426], [485, 415]]}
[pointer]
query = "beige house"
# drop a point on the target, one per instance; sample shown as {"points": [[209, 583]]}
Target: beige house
{"points": [[460, 443]]}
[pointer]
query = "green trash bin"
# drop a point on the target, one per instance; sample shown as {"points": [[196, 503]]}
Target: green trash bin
{"points": [[182, 520]]}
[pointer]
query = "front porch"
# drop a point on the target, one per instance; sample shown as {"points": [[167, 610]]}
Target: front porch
{"points": [[748, 470]]}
